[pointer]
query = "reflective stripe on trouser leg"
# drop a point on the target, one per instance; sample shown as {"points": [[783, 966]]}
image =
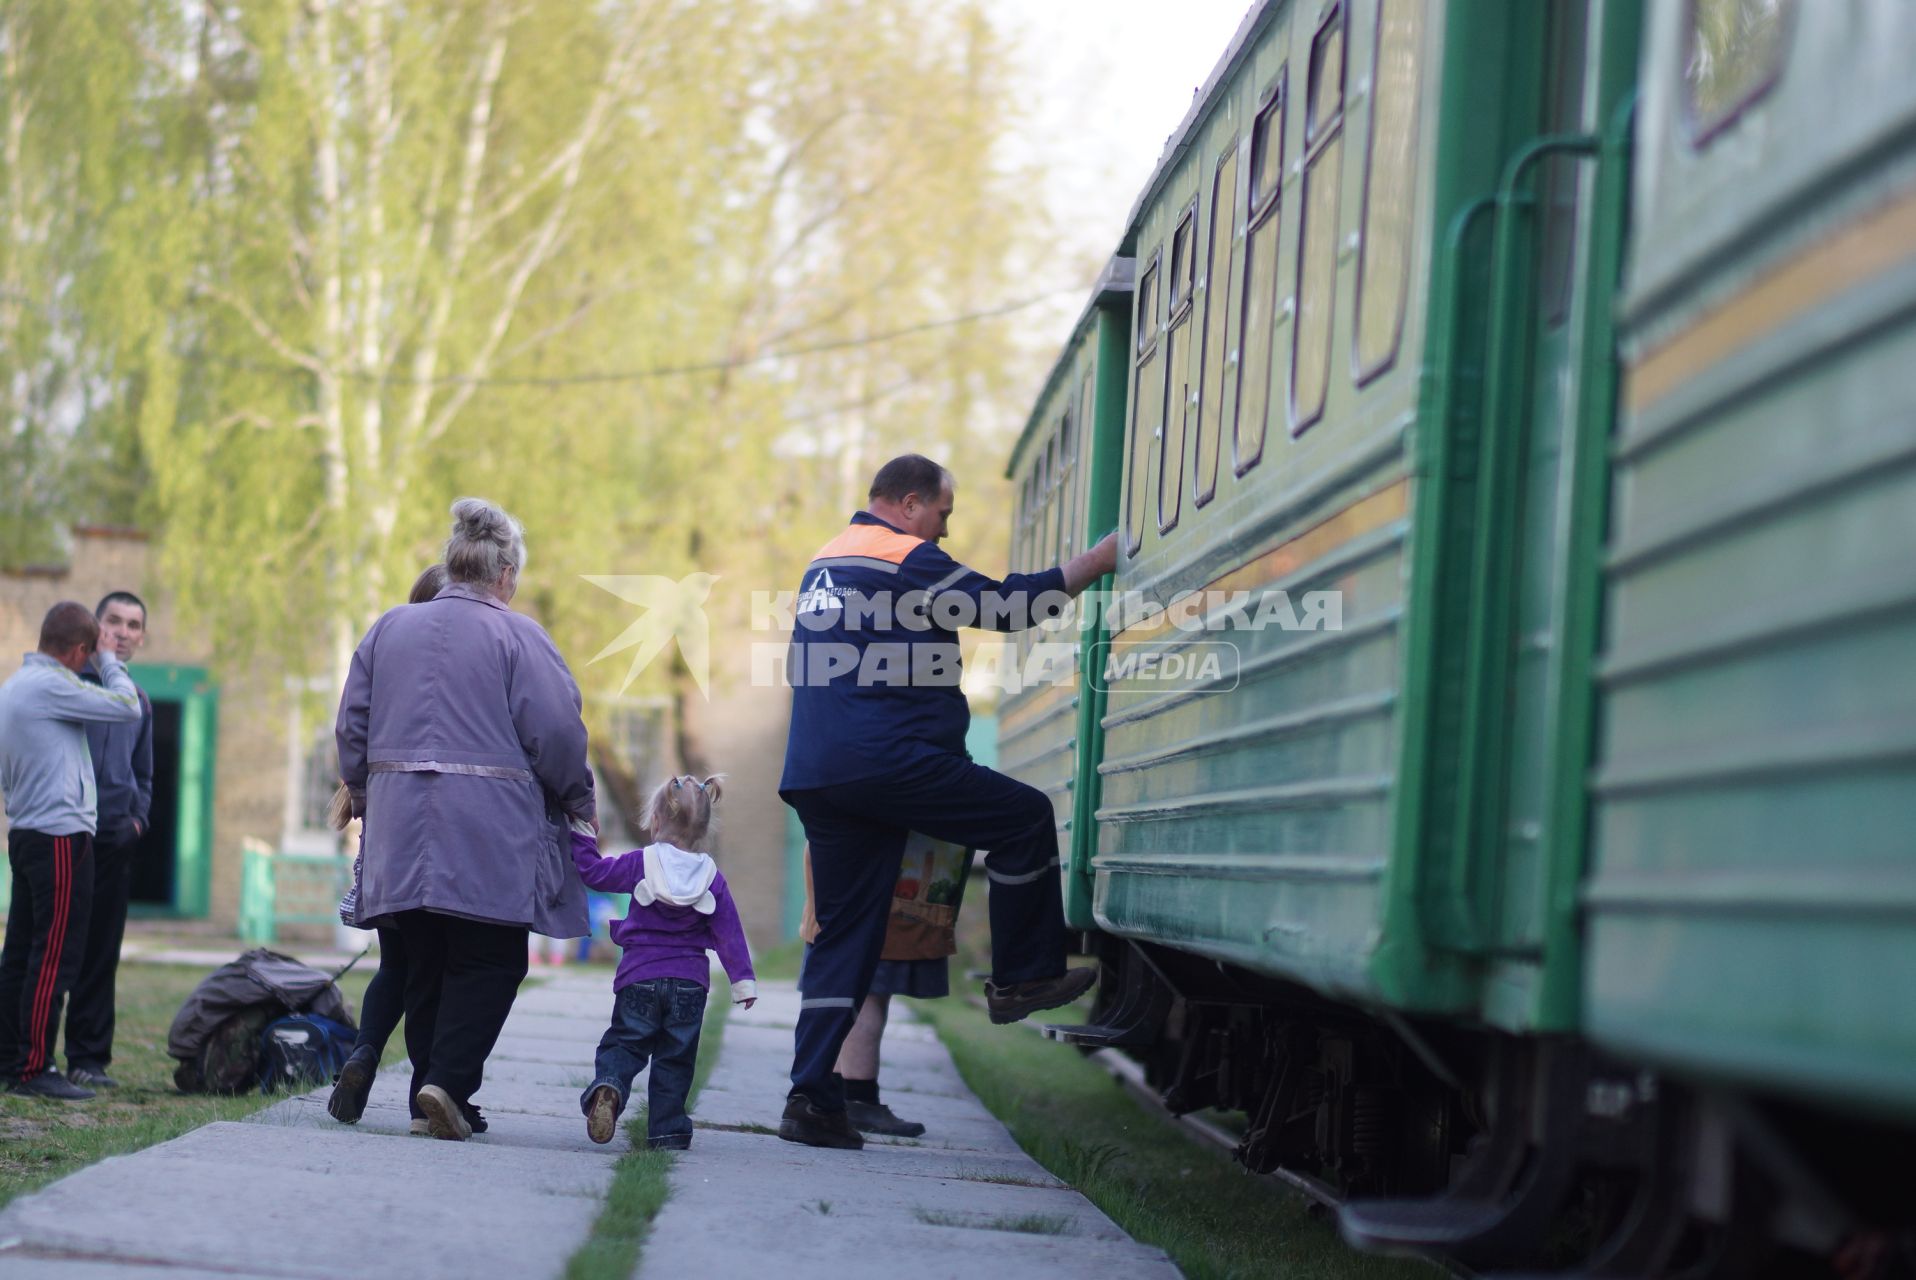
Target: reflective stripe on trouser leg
{"points": [[1027, 900], [1050, 868]]}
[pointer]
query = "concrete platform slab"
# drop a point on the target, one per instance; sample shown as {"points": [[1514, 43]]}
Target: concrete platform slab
{"points": [[520, 1199]]}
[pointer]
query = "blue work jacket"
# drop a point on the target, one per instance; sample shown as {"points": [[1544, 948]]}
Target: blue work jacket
{"points": [[874, 664]]}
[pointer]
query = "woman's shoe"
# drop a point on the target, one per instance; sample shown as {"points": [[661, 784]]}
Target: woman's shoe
{"points": [[351, 1086], [444, 1119]]}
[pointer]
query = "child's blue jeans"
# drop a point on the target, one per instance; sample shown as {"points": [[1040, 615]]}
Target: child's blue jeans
{"points": [[656, 1019]]}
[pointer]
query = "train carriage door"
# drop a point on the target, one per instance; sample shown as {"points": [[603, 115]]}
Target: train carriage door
{"points": [[1542, 356]]}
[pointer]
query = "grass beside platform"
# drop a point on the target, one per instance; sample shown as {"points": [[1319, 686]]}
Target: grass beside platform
{"points": [[42, 1141], [1199, 1206], [640, 1184]]}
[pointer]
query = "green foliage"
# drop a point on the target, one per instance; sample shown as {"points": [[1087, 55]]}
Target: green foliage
{"points": [[87, 198], [666, 278]]}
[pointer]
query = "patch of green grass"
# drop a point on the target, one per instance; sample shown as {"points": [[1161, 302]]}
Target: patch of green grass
{"points": [[641, 1178], [639, 1191], [743, 1126], [1215, 1221], [42, 1141], [1003, 1179], [1031, 1224]]}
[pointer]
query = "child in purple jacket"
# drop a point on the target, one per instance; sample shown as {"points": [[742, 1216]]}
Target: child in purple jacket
{"points": [[680, 909]]}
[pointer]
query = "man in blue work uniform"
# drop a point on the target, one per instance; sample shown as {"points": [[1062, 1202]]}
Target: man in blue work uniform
{"points": [[877, 750]]}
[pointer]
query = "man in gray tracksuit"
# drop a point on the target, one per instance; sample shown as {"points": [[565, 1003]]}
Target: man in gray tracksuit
{"points": [[47, 774]]}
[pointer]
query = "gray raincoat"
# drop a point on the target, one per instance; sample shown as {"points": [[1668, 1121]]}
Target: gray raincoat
{"points": [[460, 738]]}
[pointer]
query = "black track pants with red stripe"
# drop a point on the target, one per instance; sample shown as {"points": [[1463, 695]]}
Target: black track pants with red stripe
{"points": [[46, 934]]}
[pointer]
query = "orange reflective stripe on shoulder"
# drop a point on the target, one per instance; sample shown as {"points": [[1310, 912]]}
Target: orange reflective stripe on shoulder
{"points": [[870, 542]]}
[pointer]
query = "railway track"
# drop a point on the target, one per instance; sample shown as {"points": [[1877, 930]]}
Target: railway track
{"points": [[1131, 1075]]}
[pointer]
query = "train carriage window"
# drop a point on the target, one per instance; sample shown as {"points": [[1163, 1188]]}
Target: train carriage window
{"points": [[1562, 175], [1053, 500], [1254, 364], [1066, 542], [1018, 530], [1383, 260], [1081, 517], [1733, 55], [1034, 511], [1147, 409], [1177, 373], [1217, 295], [1317, 238], [1021, 552]]}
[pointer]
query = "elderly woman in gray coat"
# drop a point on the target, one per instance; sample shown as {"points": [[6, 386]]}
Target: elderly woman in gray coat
{"points": [[460, 740]]}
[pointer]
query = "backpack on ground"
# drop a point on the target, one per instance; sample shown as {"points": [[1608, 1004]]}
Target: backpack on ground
{"points": [[219, 1033], [302, 1050]]}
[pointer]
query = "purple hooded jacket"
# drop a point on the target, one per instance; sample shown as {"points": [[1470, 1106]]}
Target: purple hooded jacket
{"points": [[663, 941], [460, 738]]}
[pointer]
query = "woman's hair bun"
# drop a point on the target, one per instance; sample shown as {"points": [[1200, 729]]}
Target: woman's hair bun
{"points": [[476, 518]]}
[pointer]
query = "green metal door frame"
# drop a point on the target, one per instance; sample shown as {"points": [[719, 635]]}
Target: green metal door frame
{"points": [[199, 700], [1444, 878]]}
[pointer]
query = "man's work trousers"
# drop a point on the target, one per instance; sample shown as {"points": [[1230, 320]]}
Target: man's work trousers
{"points": [[857, 834], [90, 1008], [461, 979], [46, 933]]}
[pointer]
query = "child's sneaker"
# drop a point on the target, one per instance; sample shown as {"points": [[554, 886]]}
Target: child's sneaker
{"points": [[671, 1142], [602, 1114]]}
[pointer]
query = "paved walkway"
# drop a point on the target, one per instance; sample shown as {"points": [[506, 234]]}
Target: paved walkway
{"points": [[290, 1193]]}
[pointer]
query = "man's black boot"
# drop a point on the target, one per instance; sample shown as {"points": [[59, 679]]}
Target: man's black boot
{"points": [[807, 1123], [1016, 1001], [876, 1117]]}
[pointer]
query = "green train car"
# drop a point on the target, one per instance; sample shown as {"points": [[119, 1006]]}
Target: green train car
{"points": [[1493, 771]]}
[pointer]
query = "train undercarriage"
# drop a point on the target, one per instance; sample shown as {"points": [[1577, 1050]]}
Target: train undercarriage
{"points": [[1508, 1154]]}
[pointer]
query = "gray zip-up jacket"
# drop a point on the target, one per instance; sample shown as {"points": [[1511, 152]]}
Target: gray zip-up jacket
{"points": [[45, 768]]}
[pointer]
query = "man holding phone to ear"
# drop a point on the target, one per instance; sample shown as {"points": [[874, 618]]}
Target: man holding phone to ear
{"points": [[123, 782], [46, 771]]}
